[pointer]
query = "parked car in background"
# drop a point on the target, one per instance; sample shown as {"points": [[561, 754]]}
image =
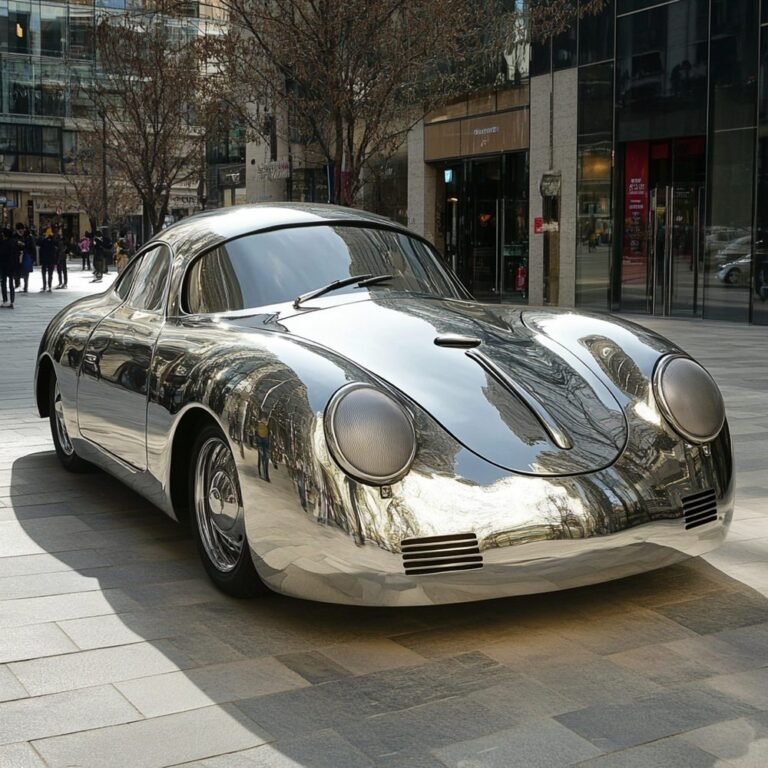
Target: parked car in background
{"points": [[736, 272]]}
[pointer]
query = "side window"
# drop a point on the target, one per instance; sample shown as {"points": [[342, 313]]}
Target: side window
{"points": [[148, 290], [212, 285], [125, 281]]}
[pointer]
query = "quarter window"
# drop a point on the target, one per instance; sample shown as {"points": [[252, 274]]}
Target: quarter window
{"points": [[148, 289]]}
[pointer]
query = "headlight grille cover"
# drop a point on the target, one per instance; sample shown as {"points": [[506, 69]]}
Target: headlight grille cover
{"points": [[371, 436], [689, 398]]}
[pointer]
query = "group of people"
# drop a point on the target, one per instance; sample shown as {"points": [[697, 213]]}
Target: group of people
{"points": [[20, 250]]}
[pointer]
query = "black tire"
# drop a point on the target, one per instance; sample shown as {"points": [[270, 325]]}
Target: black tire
{"points": [[220, 534], [65, 451], [733, 277]]}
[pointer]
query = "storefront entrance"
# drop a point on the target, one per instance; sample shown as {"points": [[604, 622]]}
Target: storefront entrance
{"points": [[485, 225], [662, 259]]}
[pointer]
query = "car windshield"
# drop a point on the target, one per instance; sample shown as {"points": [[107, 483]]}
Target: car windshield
{"points": [[278, 266]]}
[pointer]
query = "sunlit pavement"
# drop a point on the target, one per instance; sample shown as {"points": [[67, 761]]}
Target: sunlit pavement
{"points": [[116, 651]]}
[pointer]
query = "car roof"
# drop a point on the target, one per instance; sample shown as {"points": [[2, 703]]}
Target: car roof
{"points": [[205, 230]]}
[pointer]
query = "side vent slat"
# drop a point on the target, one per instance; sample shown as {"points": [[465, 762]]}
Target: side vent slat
{"points": [[441, 554], [699, 509]]}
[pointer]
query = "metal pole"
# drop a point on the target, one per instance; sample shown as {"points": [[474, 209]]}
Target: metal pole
{"points": [[104, 202]]}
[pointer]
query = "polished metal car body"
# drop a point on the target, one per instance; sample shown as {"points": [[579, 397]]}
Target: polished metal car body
{"points": [[383, 439]]}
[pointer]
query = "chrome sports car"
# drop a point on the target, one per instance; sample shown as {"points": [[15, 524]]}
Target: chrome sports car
{"points": [[338, 420]]}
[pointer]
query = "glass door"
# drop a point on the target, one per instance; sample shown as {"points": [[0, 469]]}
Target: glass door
{"points": [[513, 267], [486, 229], [675, 215]]}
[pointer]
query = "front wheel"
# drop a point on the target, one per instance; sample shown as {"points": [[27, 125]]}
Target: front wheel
{"points": [[217, 510], [65, 450]]}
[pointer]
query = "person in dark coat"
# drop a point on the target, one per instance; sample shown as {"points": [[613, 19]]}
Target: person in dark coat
{"points": [[48, 258], [98, 258], [62, 254], [28, 256], [9, 264]]}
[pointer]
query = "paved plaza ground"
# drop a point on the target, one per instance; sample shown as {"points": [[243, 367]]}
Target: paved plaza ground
{"points": [[115, 651]]}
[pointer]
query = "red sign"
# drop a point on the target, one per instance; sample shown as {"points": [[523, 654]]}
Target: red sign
{"points": [[635, 241], [538, 225]]}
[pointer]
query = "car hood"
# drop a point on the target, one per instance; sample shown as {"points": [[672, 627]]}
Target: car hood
{"points": [[507, 393]]}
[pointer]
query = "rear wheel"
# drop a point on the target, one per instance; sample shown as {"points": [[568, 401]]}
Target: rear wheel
{"points": [[62, 442], [733, 277], [219, 524]]}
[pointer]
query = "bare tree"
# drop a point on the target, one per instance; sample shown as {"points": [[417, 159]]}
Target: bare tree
{"points": [[149, 97], [85, 174], [349, 78]]}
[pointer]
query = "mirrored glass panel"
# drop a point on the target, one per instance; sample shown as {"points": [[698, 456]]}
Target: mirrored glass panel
{"points": [[661, 71]]}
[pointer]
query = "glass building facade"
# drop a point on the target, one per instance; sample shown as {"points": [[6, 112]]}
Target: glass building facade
{"points": [[672, 167], [47, 60]]}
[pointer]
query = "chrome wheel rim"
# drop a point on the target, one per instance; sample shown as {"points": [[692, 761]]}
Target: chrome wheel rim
{"points": [[61, 427], [218, 508]]}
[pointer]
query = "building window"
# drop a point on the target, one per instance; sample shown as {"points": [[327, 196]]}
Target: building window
{"points": [[594, 186], [596, 36]]}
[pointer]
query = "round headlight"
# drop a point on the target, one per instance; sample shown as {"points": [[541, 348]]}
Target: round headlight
{"points": [[370, 435], [689, 398]]}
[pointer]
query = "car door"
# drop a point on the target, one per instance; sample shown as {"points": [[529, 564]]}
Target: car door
{"points": [[114, 377]]}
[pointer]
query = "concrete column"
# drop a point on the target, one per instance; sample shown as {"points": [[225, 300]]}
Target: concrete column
{"points": [[564, 140], [422, 187], [566, 127]]}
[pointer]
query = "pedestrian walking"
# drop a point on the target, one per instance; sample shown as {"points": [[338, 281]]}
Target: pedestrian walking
{"points": [[28, 256], [85, 246], [61, 259], [107, 248], [98, 258], [9, 264], [48, 259]]}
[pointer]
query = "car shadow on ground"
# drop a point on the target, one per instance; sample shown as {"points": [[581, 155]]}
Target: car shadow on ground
{"points": [[572, 675]]}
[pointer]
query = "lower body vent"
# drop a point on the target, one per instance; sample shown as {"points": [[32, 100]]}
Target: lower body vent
{"points": [[441, 554], [699, 509]]}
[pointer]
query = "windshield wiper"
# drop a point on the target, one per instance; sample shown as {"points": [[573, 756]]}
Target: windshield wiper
{"points": [[360, 280]]}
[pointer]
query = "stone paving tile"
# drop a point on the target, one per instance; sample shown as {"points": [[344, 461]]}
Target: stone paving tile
{"points": [[39, 610], [104, 665], [742, 742], [748, 687], [20, 756], [616, 726], [41, 584], [596, 682], [528, 648], [314, 666], [537, 744], [672, 752], [365, 656], [35, 641], [10, 687], [619, 632], [425, 727], [751, 640], [715, 654], [155, 743], [59, 713], [215, 684], [325, 749], [28, 565], [715, 613], [523, 698]]}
